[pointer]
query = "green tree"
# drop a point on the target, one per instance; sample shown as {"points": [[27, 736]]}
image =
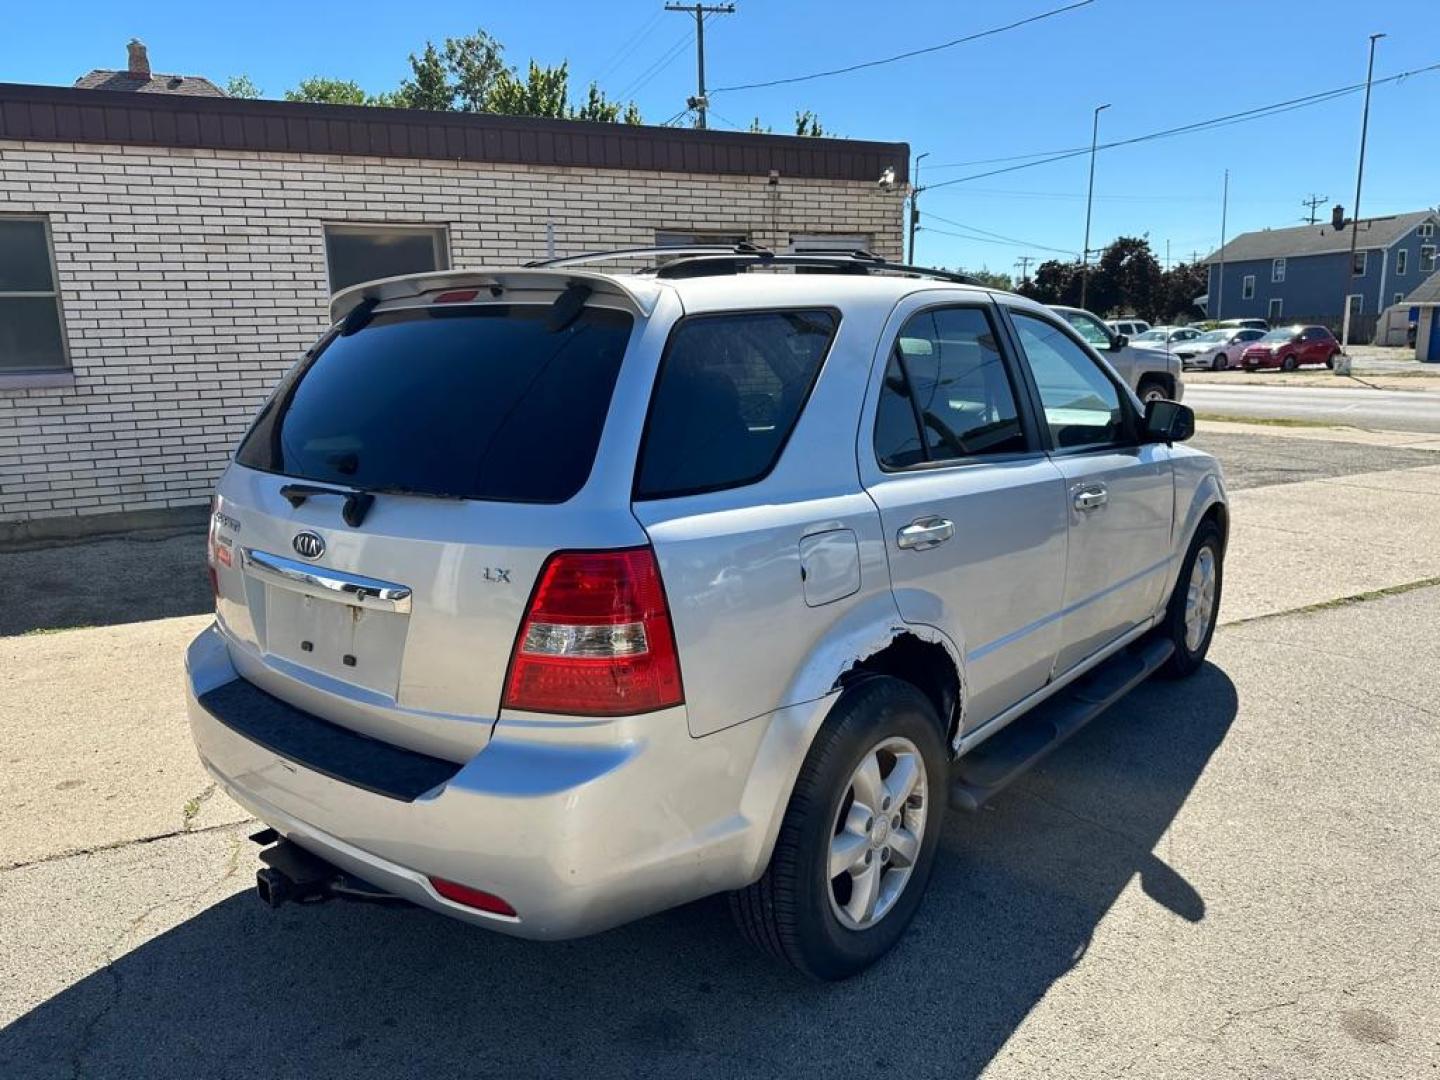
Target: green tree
{"points": [[474, 63], [1179, 286], [544, 92], [429, 87], [807, 123], [326, 91], [242, 86], [600, 109], [1055, 282], [1126, 280], [756, 128], [991, 280]]}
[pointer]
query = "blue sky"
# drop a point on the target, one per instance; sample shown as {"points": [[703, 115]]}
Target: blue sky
{"points": [[1158, 63]]}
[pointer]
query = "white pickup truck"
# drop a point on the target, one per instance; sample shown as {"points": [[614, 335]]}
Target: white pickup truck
{"points": [[1154, 374]]}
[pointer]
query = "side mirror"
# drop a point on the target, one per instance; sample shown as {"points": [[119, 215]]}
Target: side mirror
{"points": [[1168, 421], [1118, 342]]}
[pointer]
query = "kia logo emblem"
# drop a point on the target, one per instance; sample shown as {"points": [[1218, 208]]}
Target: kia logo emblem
{"points": [[309, 544]]}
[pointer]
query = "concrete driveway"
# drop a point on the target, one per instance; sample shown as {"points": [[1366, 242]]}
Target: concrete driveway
{"points": [[1230, 876]]}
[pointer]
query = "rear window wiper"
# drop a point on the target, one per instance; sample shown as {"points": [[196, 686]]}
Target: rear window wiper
{"points": [[357, 503]]}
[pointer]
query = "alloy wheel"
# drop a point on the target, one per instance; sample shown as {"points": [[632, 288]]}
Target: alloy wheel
{"points": [[1200, 598], [877, 832]]}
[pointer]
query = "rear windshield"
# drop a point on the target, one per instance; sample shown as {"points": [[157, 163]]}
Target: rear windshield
{"points": [[473, 402], [729, 391]]}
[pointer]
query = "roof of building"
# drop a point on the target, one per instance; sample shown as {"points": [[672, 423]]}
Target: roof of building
{"points": [[1376, 232], [148, 83], [1427, 292], [63, 114]]}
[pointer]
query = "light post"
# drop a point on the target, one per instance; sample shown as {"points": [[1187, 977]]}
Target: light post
{"points": [[1089, 198]]}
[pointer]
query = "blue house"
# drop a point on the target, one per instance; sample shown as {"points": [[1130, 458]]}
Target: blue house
{"points": [[1300, 274]]}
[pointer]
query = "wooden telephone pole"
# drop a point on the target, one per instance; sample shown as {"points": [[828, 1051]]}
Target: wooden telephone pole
{"points": [[700, 102]]}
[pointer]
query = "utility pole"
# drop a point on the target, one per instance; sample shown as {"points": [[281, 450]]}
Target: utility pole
{"points": [[700, 102], [1355, 210], [915, 190], [1224, 211], [1310, 204], [1023, 262], [1089, 198]]}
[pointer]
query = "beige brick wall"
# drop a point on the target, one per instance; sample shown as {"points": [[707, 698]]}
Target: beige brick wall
{"points": [[191, 279]]}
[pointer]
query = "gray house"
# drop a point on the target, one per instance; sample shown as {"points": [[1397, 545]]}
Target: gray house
{"points": [[1299, 274]]}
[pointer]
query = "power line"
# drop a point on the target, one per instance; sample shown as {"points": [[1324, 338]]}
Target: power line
{"points": [[631, 44], [905, 55], [666, 59], [1245, 115], [1311, 204], [999, 236], [701, 13]]}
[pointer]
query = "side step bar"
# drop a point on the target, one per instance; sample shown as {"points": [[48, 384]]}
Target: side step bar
{"points": [[988, 769]]}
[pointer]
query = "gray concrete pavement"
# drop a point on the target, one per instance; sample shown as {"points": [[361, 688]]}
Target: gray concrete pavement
{"points": [[1395, 410], [1227, 877]]}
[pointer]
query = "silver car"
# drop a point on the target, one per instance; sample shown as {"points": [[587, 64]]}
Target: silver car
{"points": [[548, 598]]}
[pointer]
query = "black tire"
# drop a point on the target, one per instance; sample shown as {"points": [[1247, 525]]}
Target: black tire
{"points": [[1221, 361], [1330, 360], [788, 912], [1290, 363], [1151, 387], [1185, 660]]}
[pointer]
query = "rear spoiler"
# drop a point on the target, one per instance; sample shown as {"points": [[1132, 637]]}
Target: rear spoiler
{"points": [[640, 296]]}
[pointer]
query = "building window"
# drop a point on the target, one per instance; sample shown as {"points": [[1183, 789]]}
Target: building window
{"points": [[1247, 287], [1398, 297], [698, 238], [1357, 304], [812, 243], [1358, 263], [1277, 270], [358, 252], [1427, 259], [32, 337], [1427, 230], [1402, 262], [1277, 308]]}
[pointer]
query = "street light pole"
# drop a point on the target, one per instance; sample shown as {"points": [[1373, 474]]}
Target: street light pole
{"points": [[915, 205], [1089, 198], [1355, 211]]}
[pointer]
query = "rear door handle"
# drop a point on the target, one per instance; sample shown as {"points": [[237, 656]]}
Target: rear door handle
{"points": [[926, 532], [1091, 498]]}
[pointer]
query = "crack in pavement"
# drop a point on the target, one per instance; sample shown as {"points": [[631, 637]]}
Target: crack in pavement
{"points": [[116, 845], [87, 1034]]}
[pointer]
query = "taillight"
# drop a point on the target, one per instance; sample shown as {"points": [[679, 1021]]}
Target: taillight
{"points": [[597, 639], [210, 551]]}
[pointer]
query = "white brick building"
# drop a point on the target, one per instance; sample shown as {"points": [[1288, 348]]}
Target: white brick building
{"points": [[193, 244]]}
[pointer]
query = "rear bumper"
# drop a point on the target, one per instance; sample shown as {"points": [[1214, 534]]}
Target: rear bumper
{"points": [[578, 825]]}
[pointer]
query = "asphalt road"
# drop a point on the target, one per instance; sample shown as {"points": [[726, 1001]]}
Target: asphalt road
{"points": [[1388, 410]]}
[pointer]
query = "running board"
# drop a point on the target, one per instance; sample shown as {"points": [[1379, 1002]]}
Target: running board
{"points": [[985, 771]]}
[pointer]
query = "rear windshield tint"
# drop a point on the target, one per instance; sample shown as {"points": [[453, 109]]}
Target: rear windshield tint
{"points": [[728, 394], [474, 402]]}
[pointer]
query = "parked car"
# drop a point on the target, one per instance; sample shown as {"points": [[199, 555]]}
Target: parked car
{"points": [[1244, 324], [1165, 338], [548, 598], [1129, 327], [1216, 349], [1291, 346], [1151, 374]]}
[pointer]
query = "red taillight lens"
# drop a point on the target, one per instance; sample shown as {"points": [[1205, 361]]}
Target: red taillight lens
{"points": [[475, 898], [597, 639]]}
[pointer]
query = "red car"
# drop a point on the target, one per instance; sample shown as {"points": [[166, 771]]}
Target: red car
{"points": [[1289, 347]]}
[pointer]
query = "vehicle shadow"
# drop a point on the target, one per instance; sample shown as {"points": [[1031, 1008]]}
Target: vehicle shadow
{"points": [[104, 581], [351, 991]]}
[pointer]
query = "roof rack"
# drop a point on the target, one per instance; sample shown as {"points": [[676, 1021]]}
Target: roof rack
{"points": [[703, 260]]}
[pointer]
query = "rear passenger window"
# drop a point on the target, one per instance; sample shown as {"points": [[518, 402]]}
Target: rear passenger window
{"points": [[728, 394], [946, 394]]}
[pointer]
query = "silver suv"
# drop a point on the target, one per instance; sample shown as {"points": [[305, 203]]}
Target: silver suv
{"points": [[549, 598]]}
